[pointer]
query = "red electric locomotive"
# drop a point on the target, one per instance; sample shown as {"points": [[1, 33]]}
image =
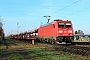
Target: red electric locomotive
{"points": [[58, 31]]}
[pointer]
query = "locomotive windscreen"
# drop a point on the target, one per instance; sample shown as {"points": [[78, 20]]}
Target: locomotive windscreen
{"points": [[60, 25], [68, 25]]}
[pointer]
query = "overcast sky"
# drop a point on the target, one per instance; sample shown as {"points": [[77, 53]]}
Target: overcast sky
{"points": [[29, 13]]}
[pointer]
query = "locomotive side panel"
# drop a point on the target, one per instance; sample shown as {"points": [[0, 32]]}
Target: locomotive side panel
{"points": [[47, 33]]}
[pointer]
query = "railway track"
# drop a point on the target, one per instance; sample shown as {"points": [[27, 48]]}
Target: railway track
{"points": [[77, 49]]}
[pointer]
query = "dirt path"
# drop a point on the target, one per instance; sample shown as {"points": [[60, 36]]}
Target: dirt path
{"points": [[16, 47], [19, 51]]}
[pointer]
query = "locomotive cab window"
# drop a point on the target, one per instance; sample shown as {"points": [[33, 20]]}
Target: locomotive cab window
{"points": [[68, 25], [60, 25]]}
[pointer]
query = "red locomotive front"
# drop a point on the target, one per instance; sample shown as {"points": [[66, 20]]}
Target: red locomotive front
{"points": [[56, 31], [65, 31]]}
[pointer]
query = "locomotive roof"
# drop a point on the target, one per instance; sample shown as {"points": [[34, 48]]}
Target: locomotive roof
{"points": [[53, 21], [61, 20], [46, 24]]}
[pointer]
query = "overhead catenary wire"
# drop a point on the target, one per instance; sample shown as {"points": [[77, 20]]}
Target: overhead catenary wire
{"points": [[66, 6], [82, 10], [77, 12]]}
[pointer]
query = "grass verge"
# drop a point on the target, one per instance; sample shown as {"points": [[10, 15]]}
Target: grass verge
{"points": [[15, 56], [38, 53]]}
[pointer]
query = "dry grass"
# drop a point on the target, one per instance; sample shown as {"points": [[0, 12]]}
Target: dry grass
{"points": [[82, 40]]}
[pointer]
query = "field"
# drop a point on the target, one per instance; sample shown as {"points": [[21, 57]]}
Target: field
{"points": [[19, 50]]}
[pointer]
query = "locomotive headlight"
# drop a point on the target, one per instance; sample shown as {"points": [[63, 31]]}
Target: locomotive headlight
{"points": [[70, 31], [60, 31]]}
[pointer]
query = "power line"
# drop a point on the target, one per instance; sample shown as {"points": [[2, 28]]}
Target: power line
{"points": [[66, 6], [83, 10], [77, 11]]}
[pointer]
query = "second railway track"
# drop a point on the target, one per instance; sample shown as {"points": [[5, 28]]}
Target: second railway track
{"points": [[77, 49]]}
